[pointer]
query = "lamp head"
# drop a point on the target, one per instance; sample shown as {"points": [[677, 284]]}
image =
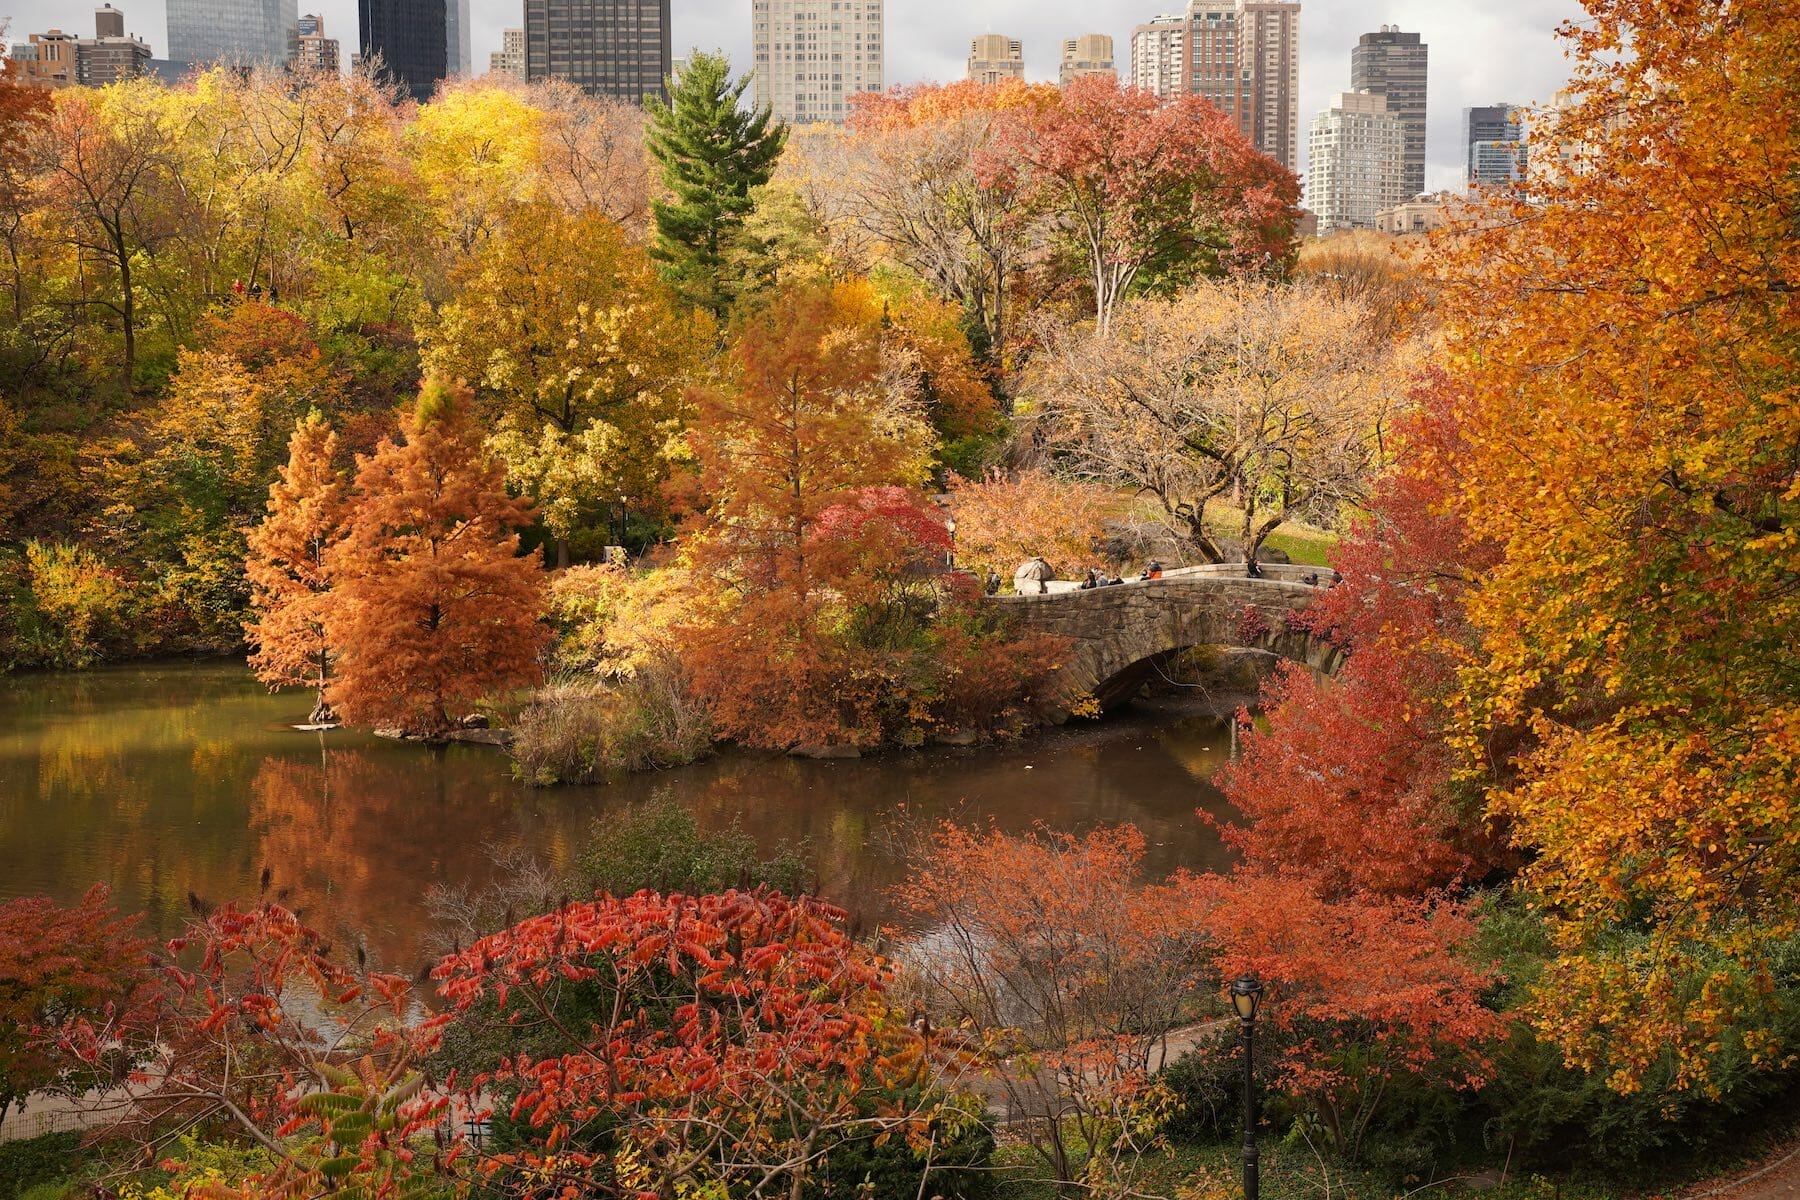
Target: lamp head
{"points": [[1246, 996]]}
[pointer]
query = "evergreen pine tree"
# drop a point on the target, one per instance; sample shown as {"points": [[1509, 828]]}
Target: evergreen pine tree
{"points": [[712, 154]]}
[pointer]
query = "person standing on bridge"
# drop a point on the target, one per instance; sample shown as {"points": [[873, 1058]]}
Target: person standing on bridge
{"points": [[1153, 570]]}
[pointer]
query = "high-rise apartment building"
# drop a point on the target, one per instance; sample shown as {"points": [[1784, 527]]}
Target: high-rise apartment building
{"points": [[509, 59], [1393, 64], [317, 52], [408, 35], [1243, 56], [1089, 54], [994, 56], [1159, 55], [617, 48], [1357, 162], [812, 57], [1493, 145], [459, 34], [239, 33], [109, 55]]}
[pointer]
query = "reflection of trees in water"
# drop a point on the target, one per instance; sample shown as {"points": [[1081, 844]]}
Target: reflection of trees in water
{"points": [[356, 839]]}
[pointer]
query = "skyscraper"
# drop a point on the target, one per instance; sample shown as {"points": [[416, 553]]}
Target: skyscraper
{"points": [[1392, 64], [1159, 55], [1493, 145], [509, 59], [994, 56], [239, 33], [1089, 54], [409, 37], [1243, 56], [617, 48], [813, 56], [1357, 162], [458, 37]]}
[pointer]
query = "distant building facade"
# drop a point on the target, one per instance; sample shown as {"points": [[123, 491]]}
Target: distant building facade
{"points": [[316, 52], [239, 33], [509, 59], [1089, 54], [1159, 55], [1358, 162], [110, 55], [47, 59], [813, 57], [408, 35], [1493, 145], [1243, 57], [1421, 214], [1395, 66], [617, 48], [55, 59], [994, 56]]}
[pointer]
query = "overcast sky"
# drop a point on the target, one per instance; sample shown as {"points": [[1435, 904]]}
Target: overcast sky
{"points": [[1481, 52]]}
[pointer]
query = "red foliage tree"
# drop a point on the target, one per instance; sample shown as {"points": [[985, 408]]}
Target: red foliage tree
{"points": [[1153, 192], [58, 965], [1048, 949], [266, 1038], [732, 1040], [432, 608], [289, 585]]}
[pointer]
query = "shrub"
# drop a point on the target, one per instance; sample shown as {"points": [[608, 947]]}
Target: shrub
{"points": [[80, 601], [659, 845], [39, 1160], [581, 731]]}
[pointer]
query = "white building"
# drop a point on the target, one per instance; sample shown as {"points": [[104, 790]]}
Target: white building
{"points": [[1358, 162], [510, 58], [813, 56], [240, 33], [1159, 55]]}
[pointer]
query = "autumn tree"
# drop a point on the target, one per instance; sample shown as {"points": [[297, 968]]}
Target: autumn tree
{"points": [[1267, 398], [1003, 520], [913, 177], [1068, 971], [1623, 343], [289, 585], [1152, 194], [22, 108], [59, 965], [431, 607], [713, 153], [581, 357]]}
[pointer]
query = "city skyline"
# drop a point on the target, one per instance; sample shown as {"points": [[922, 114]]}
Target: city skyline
{"points": [[1480, 54]]}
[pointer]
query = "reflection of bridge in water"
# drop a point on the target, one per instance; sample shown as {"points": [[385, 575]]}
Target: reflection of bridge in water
{"points": [[1123, 636]]}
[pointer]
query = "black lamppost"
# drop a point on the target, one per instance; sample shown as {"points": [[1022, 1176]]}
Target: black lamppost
{"points": [[950, 555], [1246, 995]]}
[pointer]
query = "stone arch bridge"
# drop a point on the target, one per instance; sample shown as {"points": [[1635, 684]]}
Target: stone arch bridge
{"points": [[1123, 636]]}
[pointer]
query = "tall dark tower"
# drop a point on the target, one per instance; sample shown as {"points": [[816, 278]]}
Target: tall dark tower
{"points": [[617, 48], [1392, 64], [411, 38]]}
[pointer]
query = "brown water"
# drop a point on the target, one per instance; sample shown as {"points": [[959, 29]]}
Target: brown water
{"points": [[169, 779]]}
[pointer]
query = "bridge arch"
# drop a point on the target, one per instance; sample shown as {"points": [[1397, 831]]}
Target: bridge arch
{"points": [[1120, 637]]}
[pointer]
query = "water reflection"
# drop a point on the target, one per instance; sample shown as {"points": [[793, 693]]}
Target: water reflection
{"points": [[173, 779]]}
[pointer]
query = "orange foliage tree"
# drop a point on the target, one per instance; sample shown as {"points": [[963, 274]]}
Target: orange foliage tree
{"points": [[1623, 342], [432, 607], [1002, 520], [289, 585]]}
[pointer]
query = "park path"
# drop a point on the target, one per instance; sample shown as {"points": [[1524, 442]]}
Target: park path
{"points": [[1777, 1177]]}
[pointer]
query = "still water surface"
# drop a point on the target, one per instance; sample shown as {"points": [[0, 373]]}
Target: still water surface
{"points": [[161, 780]]}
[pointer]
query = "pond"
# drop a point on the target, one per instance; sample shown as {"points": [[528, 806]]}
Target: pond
{"points": [[171, 779]]}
